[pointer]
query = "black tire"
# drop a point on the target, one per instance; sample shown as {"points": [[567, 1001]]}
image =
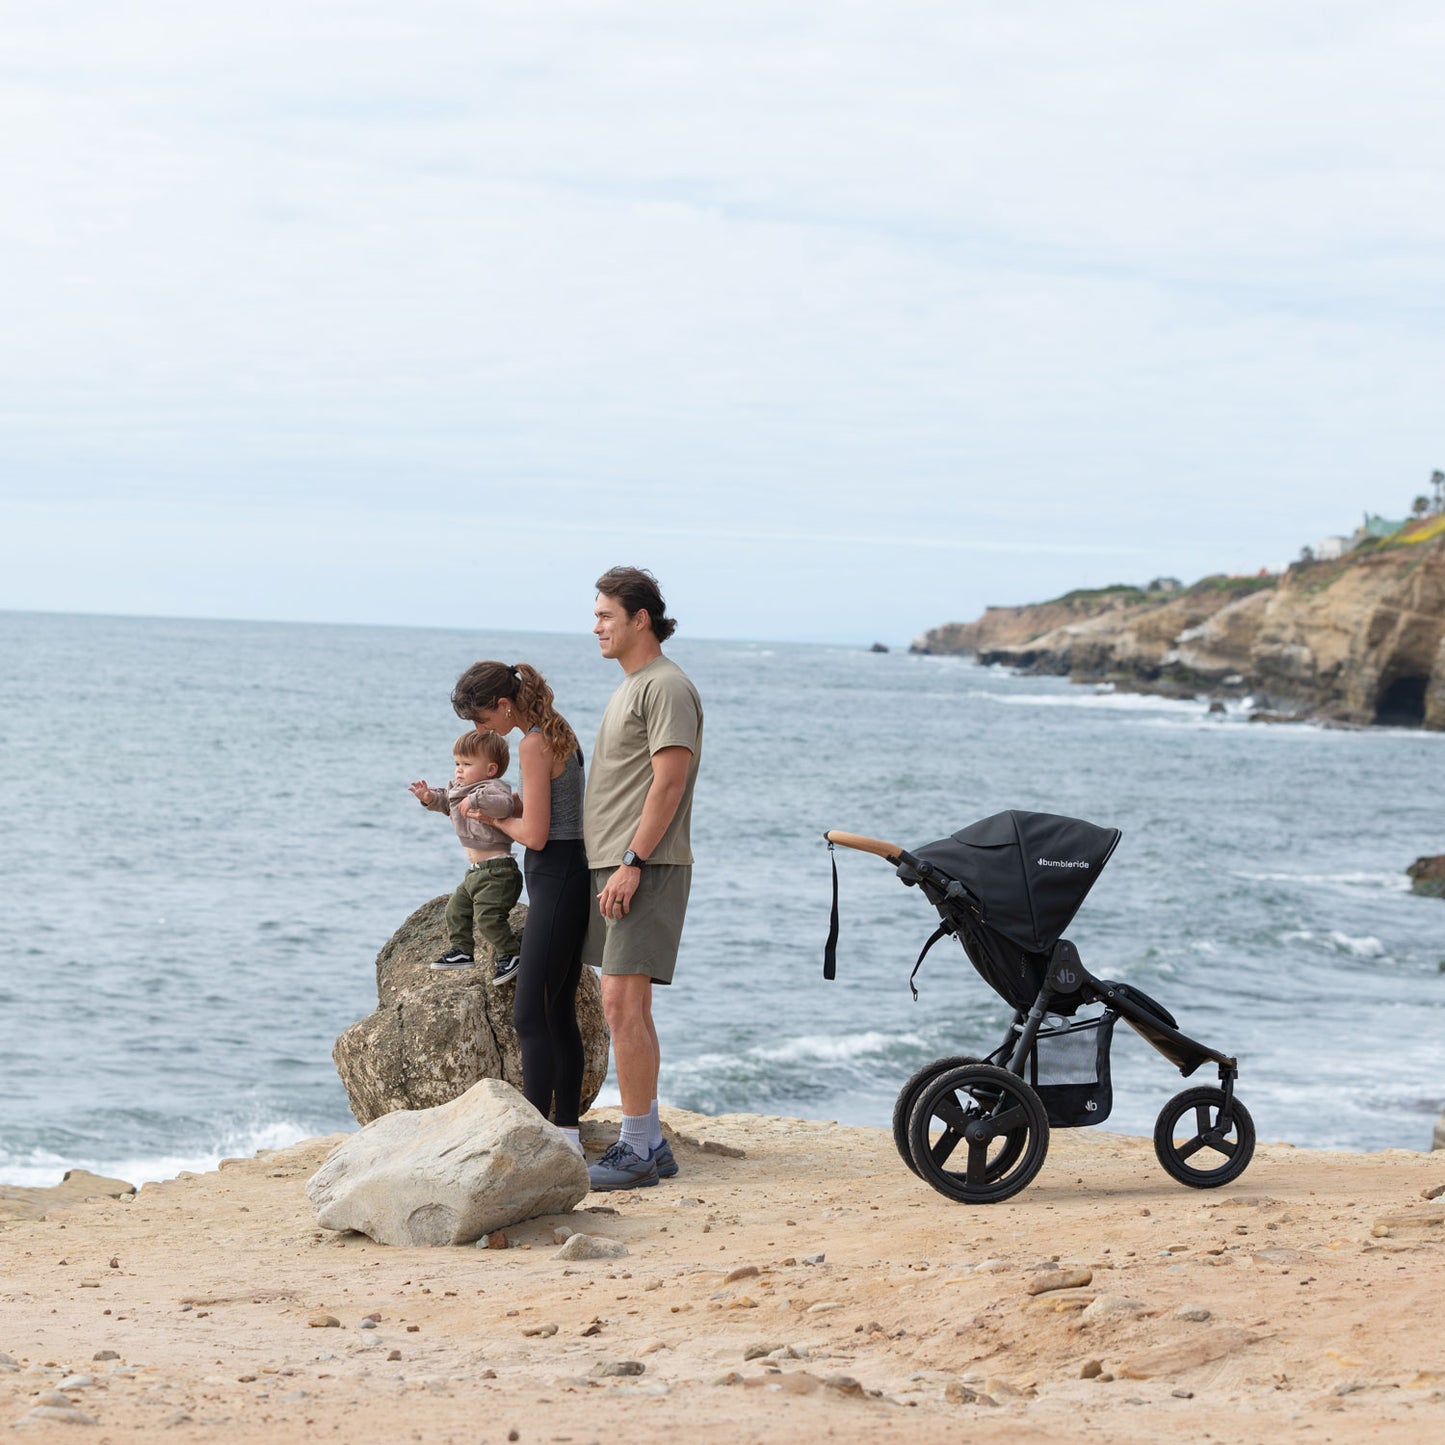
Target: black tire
{"points": [[1204, 1156], [908, 1097], [1000, 1121]]}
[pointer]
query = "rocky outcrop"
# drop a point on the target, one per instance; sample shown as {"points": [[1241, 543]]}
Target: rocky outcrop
{"points": [[18, 1201], [436, 1033], [449, 1175], [1358, 640], [1427, 876], [1016, 626]]}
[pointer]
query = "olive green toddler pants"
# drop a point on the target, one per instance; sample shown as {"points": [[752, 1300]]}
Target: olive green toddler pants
{"points": [[482, 902]]}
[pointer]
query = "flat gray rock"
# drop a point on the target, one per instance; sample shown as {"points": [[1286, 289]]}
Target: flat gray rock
{"points": [[448, 1175]]}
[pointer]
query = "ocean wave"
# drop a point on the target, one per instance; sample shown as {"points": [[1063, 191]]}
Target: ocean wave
{"points": [[1102, 700], [41, 1168], [1384, 882], [1366, 947]]}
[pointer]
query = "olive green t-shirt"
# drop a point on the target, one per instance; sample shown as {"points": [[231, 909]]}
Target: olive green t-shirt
{"points": [[655, 707]]}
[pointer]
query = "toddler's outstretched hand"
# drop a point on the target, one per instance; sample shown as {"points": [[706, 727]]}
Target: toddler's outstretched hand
{"points": [[420, 792]]}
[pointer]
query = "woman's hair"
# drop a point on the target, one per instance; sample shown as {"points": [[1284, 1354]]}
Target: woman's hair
{"points": [[484, 684], [483, 743], [636, 588]]}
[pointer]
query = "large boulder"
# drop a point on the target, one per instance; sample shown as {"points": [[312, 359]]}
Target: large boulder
{"points": [[449, 1175], [436, 1033]]}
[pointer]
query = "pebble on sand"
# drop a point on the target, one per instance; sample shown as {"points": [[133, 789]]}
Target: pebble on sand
{"points": [[592, 1246]]}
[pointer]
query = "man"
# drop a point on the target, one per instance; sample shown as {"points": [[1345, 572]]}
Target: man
{"points": [[636, 823]]}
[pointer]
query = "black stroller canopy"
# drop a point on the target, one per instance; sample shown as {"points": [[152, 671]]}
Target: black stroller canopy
{"points": [[1029, 872]]}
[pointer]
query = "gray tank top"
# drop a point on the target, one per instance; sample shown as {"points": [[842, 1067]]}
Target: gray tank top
{"points": [[567, 790]]}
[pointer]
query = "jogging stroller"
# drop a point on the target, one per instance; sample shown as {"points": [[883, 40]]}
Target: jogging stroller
{"points": [[978, 1129]]}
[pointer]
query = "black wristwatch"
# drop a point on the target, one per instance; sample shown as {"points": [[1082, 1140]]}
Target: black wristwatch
{"points": [[631, 860]]}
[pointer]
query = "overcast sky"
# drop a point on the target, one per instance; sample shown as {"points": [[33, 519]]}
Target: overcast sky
{"points": [[847, 319]]}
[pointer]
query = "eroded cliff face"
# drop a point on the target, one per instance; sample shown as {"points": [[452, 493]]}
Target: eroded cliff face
{"points": [[1359, 640]]}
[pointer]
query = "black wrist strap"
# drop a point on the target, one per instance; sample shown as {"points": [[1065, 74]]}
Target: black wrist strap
{"points": [[830, 948]]}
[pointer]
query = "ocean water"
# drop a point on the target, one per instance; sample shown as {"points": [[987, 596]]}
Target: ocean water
{"points": [[207, 837]]}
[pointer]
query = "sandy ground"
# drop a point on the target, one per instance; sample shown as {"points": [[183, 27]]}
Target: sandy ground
{"points": [[812, 1288]]}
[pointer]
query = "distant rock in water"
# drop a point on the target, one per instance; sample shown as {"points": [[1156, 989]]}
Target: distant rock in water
{"points": [[1427, 876], [436, 1033], [879, 647], [1359, 640]]}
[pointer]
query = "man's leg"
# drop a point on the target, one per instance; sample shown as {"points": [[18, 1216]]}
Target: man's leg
{"points": [[627, 1006]]}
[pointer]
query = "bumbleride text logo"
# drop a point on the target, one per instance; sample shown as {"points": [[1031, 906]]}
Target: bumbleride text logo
{"points": [[1063, 862]]}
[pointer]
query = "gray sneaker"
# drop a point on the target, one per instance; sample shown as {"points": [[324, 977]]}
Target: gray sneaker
{"points": [[662, 1158], [621, 1167]]}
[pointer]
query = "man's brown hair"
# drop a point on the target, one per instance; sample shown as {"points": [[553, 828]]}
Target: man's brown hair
{"points": [[636, 589]]}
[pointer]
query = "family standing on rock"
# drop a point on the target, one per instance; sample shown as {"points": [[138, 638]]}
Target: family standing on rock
{"points": [[607, 873]]}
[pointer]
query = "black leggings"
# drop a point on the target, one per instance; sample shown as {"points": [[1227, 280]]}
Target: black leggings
{"points": [[559, 899]]}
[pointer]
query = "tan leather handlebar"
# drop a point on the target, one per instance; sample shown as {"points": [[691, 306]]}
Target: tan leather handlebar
{"points": [[864, 845]]}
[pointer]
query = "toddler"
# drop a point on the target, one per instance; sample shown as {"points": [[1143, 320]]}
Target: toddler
{"points": [[493, 883]]}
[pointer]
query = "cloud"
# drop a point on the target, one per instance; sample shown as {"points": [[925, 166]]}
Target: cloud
{"points": [[1129, 285]]}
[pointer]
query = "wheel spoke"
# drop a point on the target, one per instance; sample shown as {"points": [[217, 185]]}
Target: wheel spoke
{"points": [[1184, 1151], [1203, 1119], [942, 1151], [952, 1111], [977, 1162], [1009, 1120]]}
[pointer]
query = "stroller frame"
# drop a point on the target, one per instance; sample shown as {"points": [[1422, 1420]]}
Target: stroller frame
{"points": [[982, 1113]]}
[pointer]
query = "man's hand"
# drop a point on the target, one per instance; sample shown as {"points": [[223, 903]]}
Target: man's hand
{"points": [[616, 897]]}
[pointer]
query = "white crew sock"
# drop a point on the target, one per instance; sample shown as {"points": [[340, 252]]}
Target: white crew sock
{"points": [[574, 1137], [654, 1128], [634, 1134]]}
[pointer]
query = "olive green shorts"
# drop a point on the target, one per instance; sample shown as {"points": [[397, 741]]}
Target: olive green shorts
{"points": [[645, 938]]}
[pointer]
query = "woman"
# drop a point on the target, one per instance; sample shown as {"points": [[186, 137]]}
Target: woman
{"points": [[492, 695]]}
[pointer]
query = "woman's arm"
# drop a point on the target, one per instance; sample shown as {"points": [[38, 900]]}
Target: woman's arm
{"points": [[535, 822]]}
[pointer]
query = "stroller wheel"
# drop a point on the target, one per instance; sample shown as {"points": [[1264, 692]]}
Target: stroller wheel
{"points": [[908, 1097], [978, 1133], [1192, 1146]]}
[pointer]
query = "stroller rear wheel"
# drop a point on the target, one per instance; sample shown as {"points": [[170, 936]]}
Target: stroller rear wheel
{"points": [[908, 1097], [984, 1122], [1194, 1148]]}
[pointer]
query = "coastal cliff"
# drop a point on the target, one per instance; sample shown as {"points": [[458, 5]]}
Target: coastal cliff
{"points": [[1359, 639]]}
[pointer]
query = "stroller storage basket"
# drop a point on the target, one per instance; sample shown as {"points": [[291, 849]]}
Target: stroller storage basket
{"points": [[1069, 1069]]}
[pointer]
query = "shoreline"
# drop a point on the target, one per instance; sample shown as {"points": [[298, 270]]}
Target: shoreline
{"points": [[68, 1189], [794, 1277]]}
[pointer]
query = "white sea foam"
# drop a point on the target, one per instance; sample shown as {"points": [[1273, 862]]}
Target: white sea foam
{"points": [[1366, 947], [1104, 701], [1385, 882], [42, 1168], [834, 1048]]}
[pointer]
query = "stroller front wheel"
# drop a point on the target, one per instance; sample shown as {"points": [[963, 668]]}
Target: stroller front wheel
{"points": [[1192, 1145], [978, 1134]]}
